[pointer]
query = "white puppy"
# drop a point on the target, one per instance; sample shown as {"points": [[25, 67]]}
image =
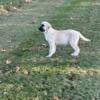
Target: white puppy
{"points": [[62, 37]]}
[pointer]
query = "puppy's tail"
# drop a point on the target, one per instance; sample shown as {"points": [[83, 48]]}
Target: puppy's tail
{"points": [[84, 38]]}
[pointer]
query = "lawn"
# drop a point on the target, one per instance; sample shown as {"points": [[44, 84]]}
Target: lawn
{"points": [[11, 2], [26, 73]]}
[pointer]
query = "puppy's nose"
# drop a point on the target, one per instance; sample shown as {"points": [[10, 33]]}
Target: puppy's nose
{"points": [[41, 29]]}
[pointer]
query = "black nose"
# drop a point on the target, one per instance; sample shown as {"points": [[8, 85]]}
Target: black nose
{"points": [[41, 29]]}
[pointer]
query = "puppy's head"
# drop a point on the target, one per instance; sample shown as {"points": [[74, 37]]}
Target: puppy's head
{"points": [[45, 26]]}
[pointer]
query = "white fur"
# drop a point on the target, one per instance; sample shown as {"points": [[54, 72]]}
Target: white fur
{"points": [[62, 37]]}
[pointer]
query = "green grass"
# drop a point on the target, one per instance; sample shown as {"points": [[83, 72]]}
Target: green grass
{"points": [[13, 2], [11, 5], [41, 78]]}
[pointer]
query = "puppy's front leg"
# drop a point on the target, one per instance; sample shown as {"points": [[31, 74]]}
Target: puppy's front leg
{"points": [[52, 49]]}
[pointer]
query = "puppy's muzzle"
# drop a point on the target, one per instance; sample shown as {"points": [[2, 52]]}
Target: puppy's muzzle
{"points": [[41, 28]]}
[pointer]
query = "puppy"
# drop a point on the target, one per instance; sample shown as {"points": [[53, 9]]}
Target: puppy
{"points": [[61, 37]]}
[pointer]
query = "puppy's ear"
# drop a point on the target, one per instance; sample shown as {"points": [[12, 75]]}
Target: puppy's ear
{"points": [[48, 27]]}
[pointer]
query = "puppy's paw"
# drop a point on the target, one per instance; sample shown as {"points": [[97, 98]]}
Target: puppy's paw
{"points": [[74, 56], [48, 56]]}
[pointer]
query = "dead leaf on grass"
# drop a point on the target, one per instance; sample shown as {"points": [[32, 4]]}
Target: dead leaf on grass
{"points": [[55, 98], [8, 61], [25, 72], [2, 50], [28, 1], [17, 69], [3, 11]]}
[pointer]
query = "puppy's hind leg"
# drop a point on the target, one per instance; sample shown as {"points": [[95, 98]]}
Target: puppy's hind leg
{"points": [[76, 49], [52, 49]]}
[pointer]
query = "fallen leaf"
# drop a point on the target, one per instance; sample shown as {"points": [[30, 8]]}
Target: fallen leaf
{"points": [[8, 61], [17, 69], [28, 1], [25, 72], [3, 11], [54, 98], [2, 50]]}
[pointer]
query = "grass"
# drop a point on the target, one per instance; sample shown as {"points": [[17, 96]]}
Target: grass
{"points": [[11, 2], [25, 72], [10, 6]]}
